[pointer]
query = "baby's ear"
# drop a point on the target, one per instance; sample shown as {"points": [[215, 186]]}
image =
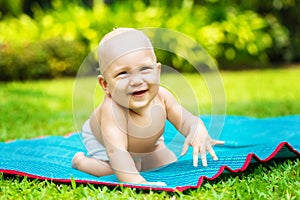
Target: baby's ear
{"points": [[159, 66], [103, 83]]}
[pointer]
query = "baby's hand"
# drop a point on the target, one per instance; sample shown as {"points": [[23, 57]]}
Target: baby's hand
{"points": [[201, 142], [158, 183]]}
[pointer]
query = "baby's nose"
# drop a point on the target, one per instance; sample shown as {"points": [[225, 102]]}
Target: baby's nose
{"points": [[136, 80]]}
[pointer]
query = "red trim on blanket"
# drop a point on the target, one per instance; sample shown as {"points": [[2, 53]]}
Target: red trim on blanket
{"points": [[177, 189], [244, 167]]}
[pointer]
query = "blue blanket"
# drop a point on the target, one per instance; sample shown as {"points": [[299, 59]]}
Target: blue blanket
{"points": [[247, 140]]}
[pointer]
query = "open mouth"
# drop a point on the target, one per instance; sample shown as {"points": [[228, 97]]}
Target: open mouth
{"points": [[138, 93]]}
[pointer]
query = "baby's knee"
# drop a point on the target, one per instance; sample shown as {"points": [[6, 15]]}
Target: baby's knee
{"points": [[77, 159]]}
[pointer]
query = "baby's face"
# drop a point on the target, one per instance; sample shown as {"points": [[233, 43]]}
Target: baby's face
{"points": [[133, 79]]}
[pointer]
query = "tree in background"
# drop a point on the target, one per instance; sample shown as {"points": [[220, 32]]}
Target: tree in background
{"points": [[238, 34]]}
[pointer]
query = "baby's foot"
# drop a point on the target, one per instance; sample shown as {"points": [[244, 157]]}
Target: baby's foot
{"points": [[77, 158]]}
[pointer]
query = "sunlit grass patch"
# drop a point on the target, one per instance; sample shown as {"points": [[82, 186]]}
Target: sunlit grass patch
{"points": [[36, 108]]}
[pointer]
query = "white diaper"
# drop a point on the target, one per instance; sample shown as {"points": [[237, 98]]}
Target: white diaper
{"points": [[93, 147]]}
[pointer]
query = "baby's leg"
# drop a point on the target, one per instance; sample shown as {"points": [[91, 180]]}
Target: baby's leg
{"points": [[159, 157], [91, 165]]}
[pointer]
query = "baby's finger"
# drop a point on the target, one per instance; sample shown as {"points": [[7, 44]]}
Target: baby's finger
{"points": [[212, 153], [217, 142], [195, 156], [203, 156]]}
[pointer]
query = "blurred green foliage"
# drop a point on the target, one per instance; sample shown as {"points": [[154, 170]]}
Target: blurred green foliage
{"points": [[53, 38], [43, 59]]}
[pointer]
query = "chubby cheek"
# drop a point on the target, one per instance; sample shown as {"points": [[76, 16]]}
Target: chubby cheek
{"points": [[153, 78], [118, 90]]}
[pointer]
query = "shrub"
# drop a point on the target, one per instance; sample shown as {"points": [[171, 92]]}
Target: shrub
{"points": [[53, 43], [47, 59]]}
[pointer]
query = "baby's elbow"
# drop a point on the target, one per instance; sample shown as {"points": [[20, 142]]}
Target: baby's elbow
{"points": [[110, 152], [115, 153]]}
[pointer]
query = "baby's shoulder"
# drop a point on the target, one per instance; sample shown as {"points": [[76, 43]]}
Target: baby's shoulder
{"points": [[108, 106], [163, 93], [108, 113]]}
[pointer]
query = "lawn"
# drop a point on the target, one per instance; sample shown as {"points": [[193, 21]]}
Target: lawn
{"points": [[37, 108]]}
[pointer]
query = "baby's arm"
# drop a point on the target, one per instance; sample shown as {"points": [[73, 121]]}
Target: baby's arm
{"points": [[115, 141], [191, 127], [120, 160]]}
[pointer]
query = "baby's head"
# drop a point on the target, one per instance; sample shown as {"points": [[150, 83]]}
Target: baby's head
{"points": [[130, 74], [119, 42]]}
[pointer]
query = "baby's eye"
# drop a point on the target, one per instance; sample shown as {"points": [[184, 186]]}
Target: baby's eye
{"points": [[121, 74], [145, 68]]}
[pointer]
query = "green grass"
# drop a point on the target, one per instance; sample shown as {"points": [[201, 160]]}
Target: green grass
{"points": [[32, 109], [36, 108]]}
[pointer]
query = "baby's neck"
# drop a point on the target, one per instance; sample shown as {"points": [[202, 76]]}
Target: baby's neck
{"points": [[142, 112]]}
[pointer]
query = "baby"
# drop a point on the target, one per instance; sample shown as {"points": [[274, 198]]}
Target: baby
{"points": [[124, 134]]}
